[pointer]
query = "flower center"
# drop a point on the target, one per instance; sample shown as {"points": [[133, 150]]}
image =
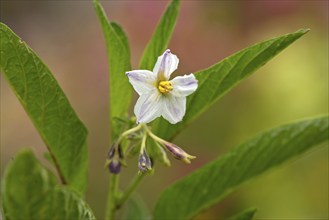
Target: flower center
{"points": [[165, 87]]}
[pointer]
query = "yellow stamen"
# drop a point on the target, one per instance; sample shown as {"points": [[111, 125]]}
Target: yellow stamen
{"points": [[165, 87]]}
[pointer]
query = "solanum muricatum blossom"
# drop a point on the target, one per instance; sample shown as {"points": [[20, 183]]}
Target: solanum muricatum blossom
{"points": [[160, 96]]}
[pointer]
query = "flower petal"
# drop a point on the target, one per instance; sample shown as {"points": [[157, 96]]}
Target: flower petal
{"points": [[148, 107], [174, 108], [166, 64], [143, 81], [184, 85]]}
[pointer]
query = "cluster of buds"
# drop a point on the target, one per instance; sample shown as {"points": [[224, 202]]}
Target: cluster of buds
{"points": [[116, 157]]}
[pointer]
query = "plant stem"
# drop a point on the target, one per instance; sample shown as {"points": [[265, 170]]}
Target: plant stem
{"points": [[111, 206], [132, 130], [156, 138], [131, 188]]}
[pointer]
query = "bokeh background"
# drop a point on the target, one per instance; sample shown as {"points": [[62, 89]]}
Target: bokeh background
{"points": [[294, 85]]}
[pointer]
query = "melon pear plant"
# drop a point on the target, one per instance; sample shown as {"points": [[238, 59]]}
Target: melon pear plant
{"points": [[165, 107]]}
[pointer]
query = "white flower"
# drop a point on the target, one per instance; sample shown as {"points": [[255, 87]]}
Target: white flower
{"points": [[160, 96]]}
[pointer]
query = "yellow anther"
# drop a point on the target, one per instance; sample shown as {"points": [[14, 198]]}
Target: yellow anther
{"points": [[165, 87], [143, 165]]}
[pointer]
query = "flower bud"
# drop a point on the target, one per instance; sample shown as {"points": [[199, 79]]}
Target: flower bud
{"points": [[115, 159], [144, 162], [115, 166], [178, 153]]}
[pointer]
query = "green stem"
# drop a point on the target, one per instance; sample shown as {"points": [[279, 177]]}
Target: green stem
{"points": [[111, 206], [156, 138], [135, 182], [132, 130], [143, 144], [131, 188]]}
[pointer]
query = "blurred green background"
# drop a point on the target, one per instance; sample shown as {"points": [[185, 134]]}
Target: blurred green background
{"points": [[68, 38]]}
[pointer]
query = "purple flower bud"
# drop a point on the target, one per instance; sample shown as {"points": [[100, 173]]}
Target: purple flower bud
{"points": [[144, 162], [115, 166], [115, 157], [178, 153]]}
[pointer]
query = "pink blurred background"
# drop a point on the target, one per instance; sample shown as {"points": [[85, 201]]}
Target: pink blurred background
{"points": [[68, 38]]}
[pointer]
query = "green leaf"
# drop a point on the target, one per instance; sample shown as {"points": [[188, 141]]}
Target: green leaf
{"points": [[29, 191], [215, 180], [161, 37], [47, 106], [247, 214], [118, 54], [136, 209], [218, 79]]}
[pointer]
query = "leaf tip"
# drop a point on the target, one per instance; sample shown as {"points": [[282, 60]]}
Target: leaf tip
{"points": [[304, 30]]}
